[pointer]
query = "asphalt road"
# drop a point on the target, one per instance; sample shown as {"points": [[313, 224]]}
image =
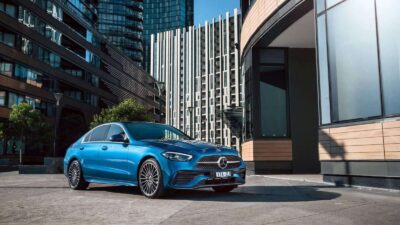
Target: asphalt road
{"points": [[46, 199]]}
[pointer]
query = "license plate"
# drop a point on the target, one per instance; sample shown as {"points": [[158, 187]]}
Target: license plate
{"points": [[223, 174]]}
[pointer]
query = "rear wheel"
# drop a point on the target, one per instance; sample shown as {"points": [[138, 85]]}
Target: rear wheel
{"points": [[223, 189], [75, 176], [150, 179]]}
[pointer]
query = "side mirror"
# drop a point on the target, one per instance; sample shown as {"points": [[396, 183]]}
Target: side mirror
{"points": [[118, 138]]}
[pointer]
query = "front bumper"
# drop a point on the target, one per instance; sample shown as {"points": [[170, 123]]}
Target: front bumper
{"points": [[183, 175], [195, 179]]}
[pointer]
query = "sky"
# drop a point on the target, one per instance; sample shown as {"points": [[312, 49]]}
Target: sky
{"points": [[207, 9]]}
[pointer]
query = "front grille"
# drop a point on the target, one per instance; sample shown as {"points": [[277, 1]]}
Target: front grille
{"points": [[211, 162], [216, 167], [214, 158]]}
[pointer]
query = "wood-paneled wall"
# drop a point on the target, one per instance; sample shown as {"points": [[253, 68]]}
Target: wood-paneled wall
{"points": [[267, 150], [375, 141], [256, 17], [391, 135]]}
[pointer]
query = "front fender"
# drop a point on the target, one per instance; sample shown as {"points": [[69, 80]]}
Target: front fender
{"points": [[138, 154]]}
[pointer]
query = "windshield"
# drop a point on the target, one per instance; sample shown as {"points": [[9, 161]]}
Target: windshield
{"points": [[145, 131]]}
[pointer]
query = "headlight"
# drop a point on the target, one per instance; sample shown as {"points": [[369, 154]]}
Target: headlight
{"points": [[176, 156]]}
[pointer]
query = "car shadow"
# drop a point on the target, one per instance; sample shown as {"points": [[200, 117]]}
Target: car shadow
{"points": [[241, 194]]}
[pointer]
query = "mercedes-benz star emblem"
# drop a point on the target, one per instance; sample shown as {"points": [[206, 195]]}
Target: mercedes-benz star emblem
{"points": [[222, 162]]}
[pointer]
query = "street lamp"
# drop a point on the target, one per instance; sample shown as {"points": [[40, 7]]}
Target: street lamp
{"points": [[57, 96], [160, 86]]}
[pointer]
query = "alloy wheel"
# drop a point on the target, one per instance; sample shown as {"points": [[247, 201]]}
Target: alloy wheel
{"points": [[149, 179], [74, 174]]}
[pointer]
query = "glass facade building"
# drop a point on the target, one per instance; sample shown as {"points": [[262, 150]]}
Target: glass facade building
{"points": [[49, 46], [164, 15], [122, 23], [359, 67], [343, 105]]}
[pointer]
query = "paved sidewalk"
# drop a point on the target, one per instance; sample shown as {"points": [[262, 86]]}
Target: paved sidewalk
{"points": [[313, 178], [46, 199]]}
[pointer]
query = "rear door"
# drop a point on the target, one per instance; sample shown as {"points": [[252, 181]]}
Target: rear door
{"points": [[91, 148], [114, 156]]}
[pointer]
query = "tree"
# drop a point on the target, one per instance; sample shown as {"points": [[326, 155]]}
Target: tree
{"points": [[27, 122], [4, 134], [3, 131], [128, 110]]}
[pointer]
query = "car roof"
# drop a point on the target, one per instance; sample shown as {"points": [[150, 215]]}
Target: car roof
{"points": [[127, 122], [140, 122]]}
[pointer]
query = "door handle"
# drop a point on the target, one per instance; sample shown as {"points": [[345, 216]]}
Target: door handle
{"points": [[104, 148], [81, 148]]}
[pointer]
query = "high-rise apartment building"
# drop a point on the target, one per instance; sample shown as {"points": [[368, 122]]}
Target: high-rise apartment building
{"points": [[163, 15], [49, 46], [121, 22], [200, 67]]}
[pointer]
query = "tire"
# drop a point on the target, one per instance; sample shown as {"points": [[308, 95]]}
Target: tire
{"points": [[223, 189], [75, 176], [150, 179]]}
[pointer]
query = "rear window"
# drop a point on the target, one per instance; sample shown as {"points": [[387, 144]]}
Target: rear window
{"points": [[86, 139], [99, 133]]}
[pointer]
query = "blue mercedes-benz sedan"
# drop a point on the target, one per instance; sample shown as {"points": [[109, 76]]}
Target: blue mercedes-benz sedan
{"points": [[155, 157]]}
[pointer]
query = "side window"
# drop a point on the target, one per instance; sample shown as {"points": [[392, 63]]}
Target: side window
{"points": [[99, 134], [114, 130], [86, 139]]}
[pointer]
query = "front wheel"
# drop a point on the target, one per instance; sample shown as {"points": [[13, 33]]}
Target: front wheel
{"points": [[223, 189], [75, 176], [150, 179]]}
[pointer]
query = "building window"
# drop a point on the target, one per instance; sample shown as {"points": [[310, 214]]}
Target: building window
{"points": [[273, 93], [28, 19], [320, 5], [330, 3], [14, 99], [353, 61], [271, 56], [6, 68], [50, 7], [91, 99], [93, 80], [273, 97], [53, 34], [75, 94], [26, 74], [389, 45], [7, 37], [8, 8], [2, 98], [323, 71]]}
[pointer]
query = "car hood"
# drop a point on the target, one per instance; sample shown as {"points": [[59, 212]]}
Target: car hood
{"points": [[190, 146]]}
